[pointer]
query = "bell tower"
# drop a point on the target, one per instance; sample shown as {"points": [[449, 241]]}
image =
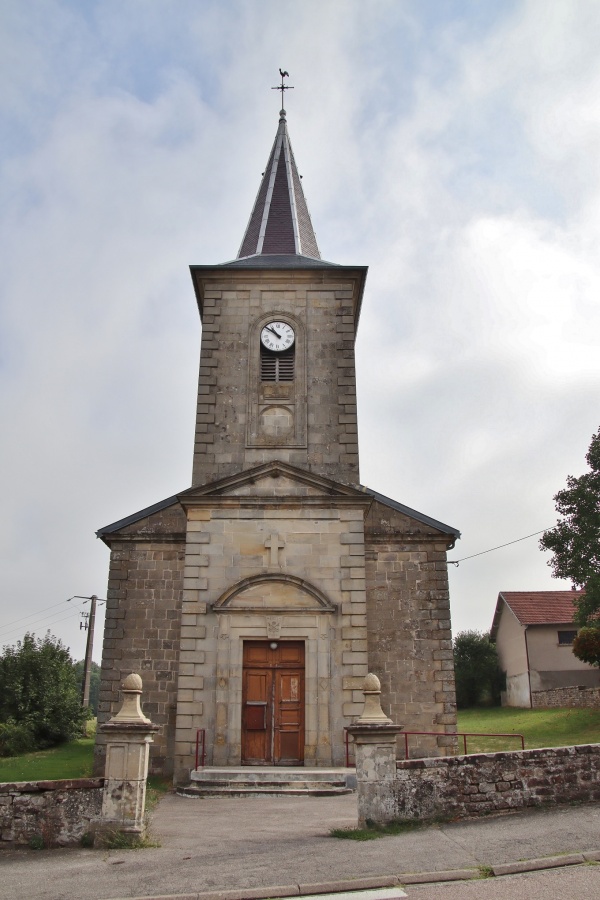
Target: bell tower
{"points": [[277, 378]]}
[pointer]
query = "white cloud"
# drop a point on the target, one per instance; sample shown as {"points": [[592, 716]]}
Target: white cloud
{"points": [[457, 157]]}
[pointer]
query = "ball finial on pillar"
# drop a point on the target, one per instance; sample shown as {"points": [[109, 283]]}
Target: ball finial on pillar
{"points": [[131, 711], [372, 713]]}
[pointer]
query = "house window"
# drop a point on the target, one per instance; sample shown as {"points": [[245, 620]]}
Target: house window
{"points": [[566, 637], [277, 366]]}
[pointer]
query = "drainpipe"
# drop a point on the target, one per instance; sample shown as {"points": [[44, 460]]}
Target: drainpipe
{"points": [[528, 668]]}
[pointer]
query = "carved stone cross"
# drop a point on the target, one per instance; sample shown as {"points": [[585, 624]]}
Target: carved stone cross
{"points": [[274, 543]]}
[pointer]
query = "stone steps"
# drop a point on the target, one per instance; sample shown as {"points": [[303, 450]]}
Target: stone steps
{"points": [[247, 781]]}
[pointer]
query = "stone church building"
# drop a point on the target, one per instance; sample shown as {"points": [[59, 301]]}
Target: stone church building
{"points": [[254, 602]]}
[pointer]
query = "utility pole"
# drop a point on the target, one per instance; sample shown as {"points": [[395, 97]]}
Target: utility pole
{"points": [[88, 625], [87, 666]]}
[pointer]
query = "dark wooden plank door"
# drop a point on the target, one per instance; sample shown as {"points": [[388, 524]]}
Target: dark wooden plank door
{"points": [[273, 703]]}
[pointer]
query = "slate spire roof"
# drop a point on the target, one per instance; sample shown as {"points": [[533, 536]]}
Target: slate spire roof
{"points": [[280, 222]]}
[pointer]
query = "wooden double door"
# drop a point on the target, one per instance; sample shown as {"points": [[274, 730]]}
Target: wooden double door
{"points": [[273, 703]]}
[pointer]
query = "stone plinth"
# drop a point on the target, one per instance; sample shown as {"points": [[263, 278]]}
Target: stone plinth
{"points": [[128, 737], [374, 737], [375, 751]]}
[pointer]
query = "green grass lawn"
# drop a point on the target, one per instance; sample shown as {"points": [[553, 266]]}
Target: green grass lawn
{"points": [[72, 760], [540, 727]]}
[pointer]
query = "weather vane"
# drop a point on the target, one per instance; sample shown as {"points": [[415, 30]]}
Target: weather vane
{"points": [[283, 87]]}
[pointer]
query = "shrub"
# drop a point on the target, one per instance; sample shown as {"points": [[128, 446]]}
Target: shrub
{"points": [[15, 739], [39, 691], [478, 675]]}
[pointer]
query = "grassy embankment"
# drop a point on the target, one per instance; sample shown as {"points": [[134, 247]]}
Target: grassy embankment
{"points": [[541, 728], [72, 760]]}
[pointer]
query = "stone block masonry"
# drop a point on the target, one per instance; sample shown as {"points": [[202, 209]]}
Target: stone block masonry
{"points": [[309, 422], [409, 636], [578, 697], [50, 813], [461, 786], [142, 630], [275, 557]]}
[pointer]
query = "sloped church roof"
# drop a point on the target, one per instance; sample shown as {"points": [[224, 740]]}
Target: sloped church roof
{"points": [[251, 474]]}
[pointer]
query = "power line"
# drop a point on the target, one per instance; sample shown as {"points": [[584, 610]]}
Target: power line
{"points": [[455, 562], [32, 625], [22, 619], [45, 621]]}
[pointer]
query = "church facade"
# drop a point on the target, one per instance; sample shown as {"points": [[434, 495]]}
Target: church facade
{"points": [[254, 602]]}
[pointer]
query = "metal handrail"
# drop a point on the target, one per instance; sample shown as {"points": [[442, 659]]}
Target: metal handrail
{"points": [[464, 735], [200, 739], [347, 745]]}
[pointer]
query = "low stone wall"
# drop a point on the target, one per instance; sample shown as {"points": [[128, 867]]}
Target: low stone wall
{"points": [[460, 786], [579, 697], [48, 813]]}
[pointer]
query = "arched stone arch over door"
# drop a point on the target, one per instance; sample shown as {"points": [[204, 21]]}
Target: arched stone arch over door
{"points": [[277, 609]]}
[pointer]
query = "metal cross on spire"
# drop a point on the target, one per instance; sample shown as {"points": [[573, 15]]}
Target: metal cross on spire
{"points": [[283, 87]]}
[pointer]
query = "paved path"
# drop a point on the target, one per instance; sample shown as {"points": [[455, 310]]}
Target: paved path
{"points": [[222, 844]]}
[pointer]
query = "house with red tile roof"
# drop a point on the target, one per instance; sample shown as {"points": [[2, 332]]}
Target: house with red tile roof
{"points": [[534, 633]]}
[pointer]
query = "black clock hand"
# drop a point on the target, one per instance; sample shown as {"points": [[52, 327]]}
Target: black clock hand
{"points": [[271, 329]]}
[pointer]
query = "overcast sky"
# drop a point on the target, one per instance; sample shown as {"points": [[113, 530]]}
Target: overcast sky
{"points": [[450, 146]]}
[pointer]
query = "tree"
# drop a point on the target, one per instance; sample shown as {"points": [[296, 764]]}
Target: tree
{"points": [[478, 675], [39, 692], [586, 646], [575, 540], [94, 682]]}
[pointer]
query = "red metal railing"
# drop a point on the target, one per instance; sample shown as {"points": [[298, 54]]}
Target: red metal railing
{"points": [[464, 735], [347, 745], [200, 741]]}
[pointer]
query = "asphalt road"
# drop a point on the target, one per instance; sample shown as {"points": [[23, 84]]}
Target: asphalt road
{"points": [[576, 883], [220, 844]]}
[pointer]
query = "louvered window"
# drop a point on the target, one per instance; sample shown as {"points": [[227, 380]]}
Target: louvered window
{"points": [[277, 366]]}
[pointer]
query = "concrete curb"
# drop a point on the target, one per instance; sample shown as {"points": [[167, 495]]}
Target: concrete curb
{"points": [[433, 877], [534, 865], [384, 881]]}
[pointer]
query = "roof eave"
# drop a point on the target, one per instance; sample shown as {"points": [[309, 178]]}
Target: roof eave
{"points": [[413, 514], [136, 516], [199, 274]]}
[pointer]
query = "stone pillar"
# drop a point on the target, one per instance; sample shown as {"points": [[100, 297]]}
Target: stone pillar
{"points": [[128, 738], [375, 749]]}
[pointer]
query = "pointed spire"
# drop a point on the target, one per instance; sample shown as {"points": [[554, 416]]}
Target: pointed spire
{"points": [[280, 222]]}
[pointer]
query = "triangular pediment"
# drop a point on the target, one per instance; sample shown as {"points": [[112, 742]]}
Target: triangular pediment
{"points": [[274, 481]]}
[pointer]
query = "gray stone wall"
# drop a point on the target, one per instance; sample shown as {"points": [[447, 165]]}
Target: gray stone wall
{"points": [[460, 786], [320, 407], [408, 623], [579, 697], [49, 813], [143, 623]]}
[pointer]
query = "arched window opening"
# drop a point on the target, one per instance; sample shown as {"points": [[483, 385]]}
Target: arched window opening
{"points": [[277, 366]]}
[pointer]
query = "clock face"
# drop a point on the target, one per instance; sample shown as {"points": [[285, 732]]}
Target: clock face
{"points": [[277, 336]]}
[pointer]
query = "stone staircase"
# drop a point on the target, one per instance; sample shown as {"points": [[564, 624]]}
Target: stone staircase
{"points": [[274, 781]]}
